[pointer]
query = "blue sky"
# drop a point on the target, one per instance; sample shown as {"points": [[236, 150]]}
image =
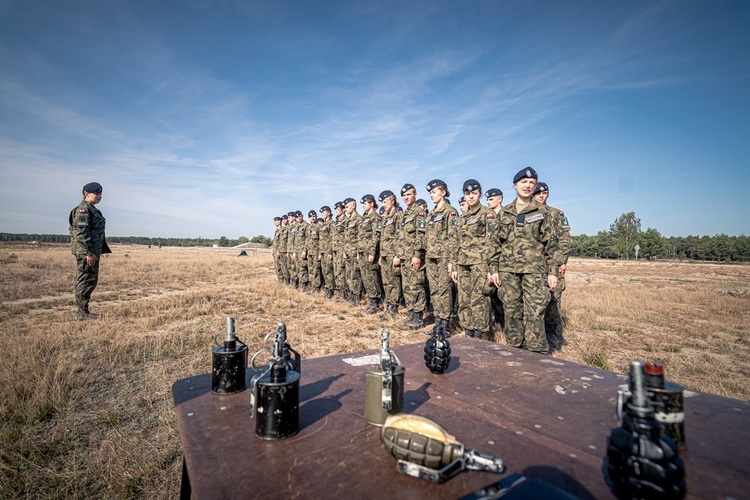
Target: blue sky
{"points": [[208, 118]]}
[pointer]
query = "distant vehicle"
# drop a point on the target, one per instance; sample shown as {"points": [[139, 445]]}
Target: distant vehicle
{"points": [[607, 256]]}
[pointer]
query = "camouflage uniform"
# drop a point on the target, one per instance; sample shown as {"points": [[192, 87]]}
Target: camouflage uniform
{"points": [[369, 244], [472, 248], [291, 256], [275, 250], [313, 255], [439, 235], [86, 227], [353, 276], [326, 255], [526, 253], [411, 244], [552, 317], [391, 275], [300, 247], [281, 249], [339, 255]]}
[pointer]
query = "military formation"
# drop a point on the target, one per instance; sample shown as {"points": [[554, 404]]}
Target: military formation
{"points": [[469, 269]]}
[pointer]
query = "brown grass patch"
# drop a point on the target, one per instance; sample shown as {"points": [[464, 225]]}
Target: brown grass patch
{"points": [[86, 408]]}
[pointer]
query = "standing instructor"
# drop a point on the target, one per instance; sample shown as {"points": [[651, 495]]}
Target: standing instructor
{"points": [[87, 243]]}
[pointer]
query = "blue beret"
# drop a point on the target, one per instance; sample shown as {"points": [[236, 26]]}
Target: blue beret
{"points": [[93, 187], [525, 173], [421, 202], [447, 201], [312, 213], [367, 197], [276, 218], [292, 214], [382, 209], [347, 200], [493, 192], [284, 217], [298, 214], [325, 208], [407, 187], [338, 204], [541, 187], [385, 194], [436, 183], [461, 200], [472, 185]]}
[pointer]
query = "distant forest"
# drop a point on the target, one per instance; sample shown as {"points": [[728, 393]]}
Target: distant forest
{"points": [[619, 242]]}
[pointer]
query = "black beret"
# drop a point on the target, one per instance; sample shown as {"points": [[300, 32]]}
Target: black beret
{"points": [[284, 217], [292, 214], [421, 202], [347, 200], [472, 185], [367, 197], [298, 213], [493, 192], [338, 204], [385, 194], [447, 201], [407, 187], [276, 218], [541, 187], [461, 200], [312, 213], [435, 183], [382, 209], [324, 208], [93, 187], [525, 173]]}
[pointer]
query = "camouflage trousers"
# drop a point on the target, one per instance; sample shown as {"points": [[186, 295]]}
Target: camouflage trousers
{"points": [[525, 299], [88, 277], [353, 276], [339, 271], [301, 273], [440, 287], [277, 265], [326, 265], [316, 271], [473, 298], [413, 286], [370, 276], [284, 266], [552, 316], [391, 277]]}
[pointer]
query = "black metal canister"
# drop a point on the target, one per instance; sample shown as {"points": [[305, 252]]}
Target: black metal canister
{"points": [[229, 363], [277, 403]]}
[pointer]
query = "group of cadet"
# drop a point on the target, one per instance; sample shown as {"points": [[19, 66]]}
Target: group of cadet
{"points": [[468, 267]]}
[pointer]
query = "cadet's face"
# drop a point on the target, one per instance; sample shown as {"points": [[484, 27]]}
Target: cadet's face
{"points": [[326, 214], [368, 205], [339, 210], [92, 198], [388, 202], [463, 206], [350, 207], [542, 196], [494, 201], [472, 197], [525, 187], [313, 219], [437, 194], [277, 223], [409, 196]]}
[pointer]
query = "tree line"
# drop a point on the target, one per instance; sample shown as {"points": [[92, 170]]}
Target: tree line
{"points": [[143, 240]]}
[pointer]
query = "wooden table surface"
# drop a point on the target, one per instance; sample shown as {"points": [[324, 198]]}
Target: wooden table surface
{"points": [[545, 417]]}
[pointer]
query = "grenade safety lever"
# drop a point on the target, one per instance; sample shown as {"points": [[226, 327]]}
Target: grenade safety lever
{"points": [[426, 450]]}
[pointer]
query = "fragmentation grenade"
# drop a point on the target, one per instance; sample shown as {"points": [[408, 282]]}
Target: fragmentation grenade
{"points": [[426, 450], [437, 351]]}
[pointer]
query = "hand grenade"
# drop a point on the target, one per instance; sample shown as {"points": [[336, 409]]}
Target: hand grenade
{"points": [[437, 351]]}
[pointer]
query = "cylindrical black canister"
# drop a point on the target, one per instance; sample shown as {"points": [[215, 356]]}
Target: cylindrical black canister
{"points": [[668, 402], [277, 406], [375, 414], [228, 373]]}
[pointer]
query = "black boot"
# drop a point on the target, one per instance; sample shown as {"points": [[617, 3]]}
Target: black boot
{"points": [[81, 314], [408, 320], [470, 333], [416, 322], [329, 293], [353, 298], [480, 335], [373, 307]]}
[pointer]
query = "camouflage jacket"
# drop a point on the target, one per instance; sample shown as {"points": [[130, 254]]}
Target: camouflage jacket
{"points": [[275, 242], [562, 233], [86, 227], [351, 232], [410, 233], [291, 232], [326, 236], [441, 225], [300, 238], [337, 238], [472, 237], [525, 242], [313, 239], [283, 235], [369, 234], [388, 225]]}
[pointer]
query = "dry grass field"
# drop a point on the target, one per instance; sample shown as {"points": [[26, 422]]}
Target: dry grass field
{"points": [[86, 408]]}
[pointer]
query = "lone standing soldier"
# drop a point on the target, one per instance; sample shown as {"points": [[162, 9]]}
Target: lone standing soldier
{"points": [[87, 243]]}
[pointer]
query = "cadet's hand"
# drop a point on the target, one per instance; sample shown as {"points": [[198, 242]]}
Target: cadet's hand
{"points": [[552, 281], [396, 262], [454, 276], [563, 268], [495, 279], [330, 256], [91, 259], [371, 259], [416, 263]]}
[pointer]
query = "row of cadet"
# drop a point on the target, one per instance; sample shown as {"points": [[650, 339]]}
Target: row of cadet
{"points": [[467, 268]]}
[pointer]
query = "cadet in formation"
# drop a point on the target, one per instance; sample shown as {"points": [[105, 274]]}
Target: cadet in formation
{"points": [[411, 229], [87, 243]]}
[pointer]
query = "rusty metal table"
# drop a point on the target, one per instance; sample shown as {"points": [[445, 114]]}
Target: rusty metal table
{"points": [[545, 417]]}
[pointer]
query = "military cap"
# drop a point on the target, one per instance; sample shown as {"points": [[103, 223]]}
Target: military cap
{"points": [[93, 187], [298, 213], [525, 173], [284, 217], [421, 202], [324, 208], [472, 185], [407, 187], [276, 218], [292, 214], [347, 200], [447, 201], [312, 213], [541, 188], [384, 195], [461, 200], [367, 197], [338, 204], [382, 209], [493, 192]]}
